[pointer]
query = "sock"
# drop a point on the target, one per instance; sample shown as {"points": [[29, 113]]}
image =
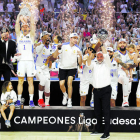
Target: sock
{"points": [[40, 94], [69, 100], [125, 89], [92, 96], [31, 97], [47, 99], [65, 93], [19, 97]]}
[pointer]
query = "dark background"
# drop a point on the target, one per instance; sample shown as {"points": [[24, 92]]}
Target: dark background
{"points": [[57, 96]]}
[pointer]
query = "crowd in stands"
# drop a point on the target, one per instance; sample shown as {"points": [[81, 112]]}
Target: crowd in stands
{"points": [[86, 20]]}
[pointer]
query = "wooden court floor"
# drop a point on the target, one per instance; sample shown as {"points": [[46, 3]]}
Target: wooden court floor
{"points": [[64, 136]]}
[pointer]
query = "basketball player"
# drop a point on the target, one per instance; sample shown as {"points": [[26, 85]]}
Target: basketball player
{"points": [[43, 52], [25, 42], [114, 77], [123, 79], [86, 80], [68, 66]]}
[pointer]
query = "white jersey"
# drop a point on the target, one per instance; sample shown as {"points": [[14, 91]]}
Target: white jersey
{"points": [[25, 47], [87, 73], [124, 58], [114, 72], [42, 53], [69, 56]]}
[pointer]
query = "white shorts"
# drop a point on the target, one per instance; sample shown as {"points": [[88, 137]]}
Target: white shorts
{"points": [[84, 87], [114, 90], [27, 67], [43, 75]]}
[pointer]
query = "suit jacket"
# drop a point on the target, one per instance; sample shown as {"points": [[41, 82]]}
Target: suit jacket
{"points": [[11, 50]]}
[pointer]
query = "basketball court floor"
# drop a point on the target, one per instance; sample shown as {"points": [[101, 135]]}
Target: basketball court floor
{"points": [[64, 136]]}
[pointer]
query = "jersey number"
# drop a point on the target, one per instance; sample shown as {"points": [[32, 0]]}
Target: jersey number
{"points": [[44, 60], [24, 47]]}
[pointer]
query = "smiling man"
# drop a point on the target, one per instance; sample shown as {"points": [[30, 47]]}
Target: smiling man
{"points": [[25, 41], [102, 90], [68, 66], [123, 79]]}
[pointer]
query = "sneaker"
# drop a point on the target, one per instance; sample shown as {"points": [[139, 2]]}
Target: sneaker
{"points": [[69, 105], [41, 103], [17, 105], [125, 104], [91, 103], [7, 123], [94, 133], [47, 105], [31, 105], [65, 97], [105, 136]]}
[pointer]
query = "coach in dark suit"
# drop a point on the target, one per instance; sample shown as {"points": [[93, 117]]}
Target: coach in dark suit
{"points": [[7, 49]]}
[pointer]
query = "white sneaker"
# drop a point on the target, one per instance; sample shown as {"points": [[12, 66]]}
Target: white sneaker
{"points": [[91, 103], [69, 105], [65, 97], [125, 104]]}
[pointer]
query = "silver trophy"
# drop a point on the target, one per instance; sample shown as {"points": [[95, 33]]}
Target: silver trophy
{"points": [[102, 34], [22, 103]]}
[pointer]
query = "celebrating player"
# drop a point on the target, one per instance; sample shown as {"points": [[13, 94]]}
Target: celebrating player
{"points": [[123, 79], [44, 54], [25, 43], [86, 80], [68, 66], [114, 77]]}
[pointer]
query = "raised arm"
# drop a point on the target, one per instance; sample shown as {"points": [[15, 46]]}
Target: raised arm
{"points": [[32, 28], [17, 26]]}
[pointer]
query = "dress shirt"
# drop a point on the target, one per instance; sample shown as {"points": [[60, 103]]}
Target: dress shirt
{"points": [[101, 72], [6, 50]]}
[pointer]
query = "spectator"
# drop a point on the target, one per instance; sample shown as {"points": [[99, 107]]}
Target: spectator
{"points": [[10, 6], [124, 9], [86, 33], [13, 35]]}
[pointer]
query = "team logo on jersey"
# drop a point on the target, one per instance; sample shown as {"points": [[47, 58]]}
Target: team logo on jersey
{"points": [[27, 36], [32, 73], [114, 64], [21, 36], [74, 51], [18, 73], [81, 91], [44, 50]]}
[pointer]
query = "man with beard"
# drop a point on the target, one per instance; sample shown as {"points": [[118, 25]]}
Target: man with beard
{"points": [[123, 79], [68, 67], [25, 41], [114, 77], [102, 90], [44, 55]]}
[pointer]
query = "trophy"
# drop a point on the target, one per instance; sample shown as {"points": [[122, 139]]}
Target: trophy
{"points": [[22, 103], [97, 40]]}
